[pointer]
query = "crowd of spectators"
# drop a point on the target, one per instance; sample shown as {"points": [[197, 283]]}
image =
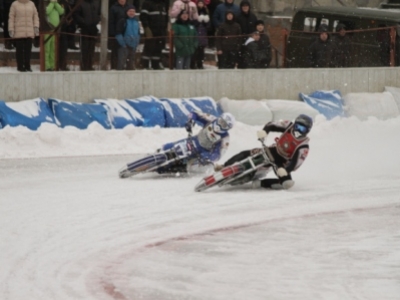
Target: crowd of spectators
{"points": [[233, 31], [196, 25]]}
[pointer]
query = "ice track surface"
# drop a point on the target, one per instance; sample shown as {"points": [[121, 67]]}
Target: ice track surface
{"points": [[71, 229]]}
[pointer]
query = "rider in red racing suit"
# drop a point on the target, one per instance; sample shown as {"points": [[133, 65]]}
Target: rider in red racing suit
{"points": [[288, 152]]}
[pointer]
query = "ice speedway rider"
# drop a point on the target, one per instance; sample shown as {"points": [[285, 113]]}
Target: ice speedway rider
{"points": [[287, 153], [209, 145]]}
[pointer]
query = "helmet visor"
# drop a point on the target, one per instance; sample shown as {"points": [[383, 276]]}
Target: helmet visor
{"points": [[300, 128], [222, 124]]}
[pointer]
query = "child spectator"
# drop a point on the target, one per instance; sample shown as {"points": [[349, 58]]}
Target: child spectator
{"points": [[251, 52], [185, 40], [128, 37], [264, 45]]}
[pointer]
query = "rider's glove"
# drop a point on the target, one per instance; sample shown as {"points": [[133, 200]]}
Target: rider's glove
{"points": [[188, 126], [261, 134]]}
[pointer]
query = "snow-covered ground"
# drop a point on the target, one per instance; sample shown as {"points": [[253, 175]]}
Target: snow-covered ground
{"points": [[71, 229]]}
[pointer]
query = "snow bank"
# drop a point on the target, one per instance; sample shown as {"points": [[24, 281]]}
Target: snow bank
{"points": [[254, 112], [52, 141], [289, 109], [250, 112], [395, 93], [363, 105]]}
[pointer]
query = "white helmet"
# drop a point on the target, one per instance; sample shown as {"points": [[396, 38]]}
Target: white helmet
{"points": [[223, 123]]}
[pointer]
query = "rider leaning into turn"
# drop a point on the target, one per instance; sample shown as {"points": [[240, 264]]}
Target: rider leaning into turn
{"points": [[287, 153], [209, 144]]}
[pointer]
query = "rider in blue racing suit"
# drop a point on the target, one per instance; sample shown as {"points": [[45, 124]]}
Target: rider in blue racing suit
{"points": [[209, 145]]}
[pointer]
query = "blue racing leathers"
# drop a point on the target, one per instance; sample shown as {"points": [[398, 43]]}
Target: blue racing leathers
{"points": [[207, 145]]}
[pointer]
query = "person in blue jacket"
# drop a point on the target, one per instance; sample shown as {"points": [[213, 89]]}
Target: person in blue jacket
{"points": [[220, 12], [128, 37]]}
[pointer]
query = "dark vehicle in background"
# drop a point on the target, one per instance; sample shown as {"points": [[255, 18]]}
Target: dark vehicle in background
{"points": [[374, 34]]}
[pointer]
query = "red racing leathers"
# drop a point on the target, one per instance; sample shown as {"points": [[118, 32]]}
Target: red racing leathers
{"points": [[288, 152]]}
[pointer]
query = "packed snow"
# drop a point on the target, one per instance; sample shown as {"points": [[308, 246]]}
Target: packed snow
{"points": [[71, 229]]}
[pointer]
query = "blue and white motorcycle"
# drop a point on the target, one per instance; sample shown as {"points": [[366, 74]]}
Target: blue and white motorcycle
{"points": [[178, 159], [193, 153]]}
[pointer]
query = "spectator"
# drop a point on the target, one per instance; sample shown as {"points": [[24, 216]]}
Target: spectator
{"points": [[67, 34], [23, 26], [252, 54], [246, 19], [128, 37], [220, 12], [87, 16], [201, 28], [184, 5], [154, 20], [116, 13], [383, 38], [6, 12], [228, 42], [53, 12], [211, 29], [320, 54], [342, 46], [264, 45], [185, 40], [70, 25]]}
